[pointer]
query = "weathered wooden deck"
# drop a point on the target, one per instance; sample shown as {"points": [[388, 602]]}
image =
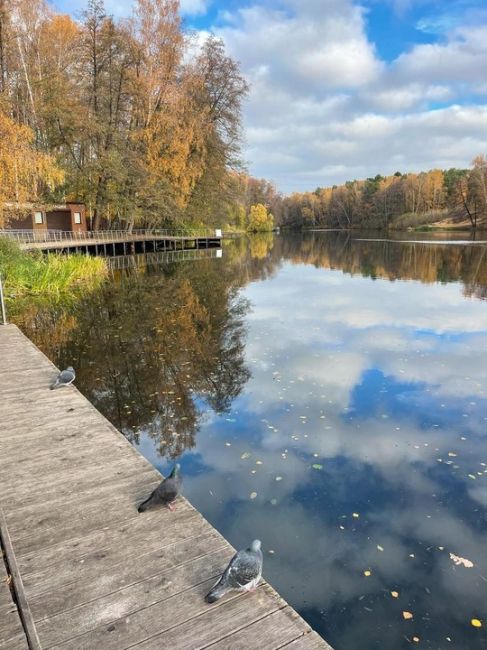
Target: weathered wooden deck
{"points": [[11, 628], [94, 573]]}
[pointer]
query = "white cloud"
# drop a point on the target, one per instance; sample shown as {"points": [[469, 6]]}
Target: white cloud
{"points": [[325, 108], [193, 7]]}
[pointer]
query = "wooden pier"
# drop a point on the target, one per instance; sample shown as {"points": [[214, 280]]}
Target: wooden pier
{"points": [[89, 572], [114, 242]]}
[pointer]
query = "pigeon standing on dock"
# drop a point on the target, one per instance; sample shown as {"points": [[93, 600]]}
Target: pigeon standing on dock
{"points": [[166, 492], [65, 378], [242, 574]]}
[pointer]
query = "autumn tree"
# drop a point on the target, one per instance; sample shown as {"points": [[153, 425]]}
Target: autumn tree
{"points": [[259, 219], [24, 172]]}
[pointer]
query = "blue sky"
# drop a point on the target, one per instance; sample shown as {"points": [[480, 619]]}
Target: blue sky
{"points": [[343, 90]]}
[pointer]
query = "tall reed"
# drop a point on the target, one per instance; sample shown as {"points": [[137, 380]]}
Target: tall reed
{"points": [[51, 277]]}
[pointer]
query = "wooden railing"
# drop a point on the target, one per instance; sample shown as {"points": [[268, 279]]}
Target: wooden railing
{"points": [[133, 261], [35, 236]]}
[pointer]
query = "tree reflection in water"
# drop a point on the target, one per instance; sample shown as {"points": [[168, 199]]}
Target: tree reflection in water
{"points": [[153, 348]]}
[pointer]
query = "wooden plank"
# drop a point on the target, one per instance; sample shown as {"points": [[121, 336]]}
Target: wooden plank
{"points": [[18, 642], [113, 538], [126, 602], [114, 577], [46, 578], [20, 597], [10, 623], [133, 484], [311, 641], [217, 622], [146, 623], [275, 631]]}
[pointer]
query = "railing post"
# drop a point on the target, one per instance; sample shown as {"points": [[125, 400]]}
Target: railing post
{"points": [[2, 303]]}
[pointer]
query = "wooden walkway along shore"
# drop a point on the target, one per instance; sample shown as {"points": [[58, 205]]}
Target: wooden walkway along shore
{"points": [[94, 573], [113, 242]]}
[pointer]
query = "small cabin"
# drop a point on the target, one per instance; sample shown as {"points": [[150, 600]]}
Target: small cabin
{"points": [[68, 217]]}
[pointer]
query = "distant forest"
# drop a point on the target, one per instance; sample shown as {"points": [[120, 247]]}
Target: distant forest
{"points": [[398, 201]]}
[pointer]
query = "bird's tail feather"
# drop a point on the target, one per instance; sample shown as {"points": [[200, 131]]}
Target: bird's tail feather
{"points": [[144, 505], [216, 592], [54, 385]]}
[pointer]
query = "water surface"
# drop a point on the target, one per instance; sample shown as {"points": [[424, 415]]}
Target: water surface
{"points": [[326, 395]]}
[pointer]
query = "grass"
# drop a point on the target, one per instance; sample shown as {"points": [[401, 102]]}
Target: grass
{"points": [[410, 220], [51, 278]]}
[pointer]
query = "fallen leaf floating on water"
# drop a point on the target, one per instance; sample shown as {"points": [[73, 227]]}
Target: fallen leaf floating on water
{"points": [[253, 495], [317, 466], [355, 514], [278, 478], [395, 594], [461, 560], [450, 453], [379, 547], [476, 623], [416, 639], [407, 615], [245, 455], [367, 573]]}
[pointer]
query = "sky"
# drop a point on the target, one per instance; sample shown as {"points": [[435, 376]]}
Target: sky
{"points": [[343, 90]]}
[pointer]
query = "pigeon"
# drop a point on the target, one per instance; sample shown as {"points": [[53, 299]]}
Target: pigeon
{"points": [[242, 574], [166, 492], [64, 378]]}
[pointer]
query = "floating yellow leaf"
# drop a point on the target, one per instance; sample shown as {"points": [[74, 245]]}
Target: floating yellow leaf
{"points": [[379, 547], [476, 623], [416, 639], [394, 594], [367, 573], [407, 615], [355, 514], [253, 495], [461, 560]]}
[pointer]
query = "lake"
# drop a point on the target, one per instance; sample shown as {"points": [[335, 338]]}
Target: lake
{"points": [[325, 394]]}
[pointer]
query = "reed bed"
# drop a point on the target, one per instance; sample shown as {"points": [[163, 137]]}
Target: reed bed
{"points": [[52, 277]]}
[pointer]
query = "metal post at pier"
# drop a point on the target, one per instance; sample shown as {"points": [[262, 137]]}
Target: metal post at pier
{"points": [[2, 304]]}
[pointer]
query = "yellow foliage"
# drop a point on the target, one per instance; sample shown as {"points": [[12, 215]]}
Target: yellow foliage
{"points": [[22, 168], [260, 220]]}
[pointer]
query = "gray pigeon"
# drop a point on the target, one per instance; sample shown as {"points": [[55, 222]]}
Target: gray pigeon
{"points": [[243, 573], [64, 378], [166, 492]]}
